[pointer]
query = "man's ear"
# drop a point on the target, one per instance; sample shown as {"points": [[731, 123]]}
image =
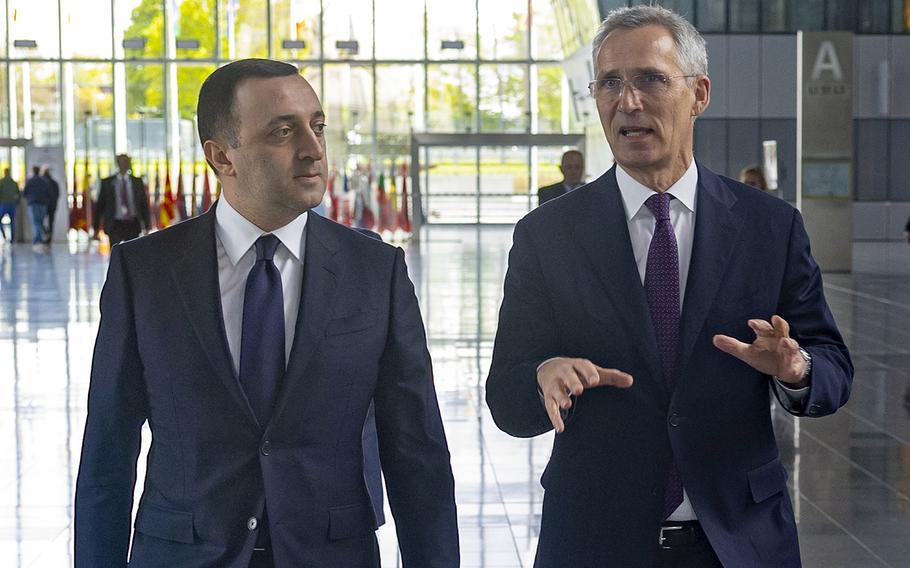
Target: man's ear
{"points": [[702, 95], [216, 154]]}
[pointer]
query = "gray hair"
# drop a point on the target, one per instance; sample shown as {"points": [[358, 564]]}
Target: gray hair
{"points": [[690, 45]]}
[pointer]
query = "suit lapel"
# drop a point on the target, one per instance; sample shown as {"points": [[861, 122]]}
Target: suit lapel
{"points": [[716, 235], [322, 268], [196, 275], [603, 233]]}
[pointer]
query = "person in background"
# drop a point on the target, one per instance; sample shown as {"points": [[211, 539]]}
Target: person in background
{"points": [[122, 209], [52, 202], [37, 195], [9, 199], [754, 176], [572, 167]]}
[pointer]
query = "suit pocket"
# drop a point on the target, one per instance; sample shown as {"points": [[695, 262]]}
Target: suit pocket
{"points": [[350, 521], [767, 480], [351, 324], [166, 524]]}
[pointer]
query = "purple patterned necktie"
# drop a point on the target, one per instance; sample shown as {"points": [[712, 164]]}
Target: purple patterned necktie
{"points": [[662, 291], [262, 336]]}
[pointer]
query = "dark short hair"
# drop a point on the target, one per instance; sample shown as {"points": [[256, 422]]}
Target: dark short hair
{"points": [[215, 108]]}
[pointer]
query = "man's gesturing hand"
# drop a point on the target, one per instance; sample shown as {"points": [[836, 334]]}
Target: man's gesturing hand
{"points": [[561, 377], [773, 352]]}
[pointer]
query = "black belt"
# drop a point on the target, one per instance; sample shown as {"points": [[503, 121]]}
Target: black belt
{"points": [[678, 534]]}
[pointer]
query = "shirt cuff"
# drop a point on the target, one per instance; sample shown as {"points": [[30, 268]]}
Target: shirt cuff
{"points": [[792, 399]]}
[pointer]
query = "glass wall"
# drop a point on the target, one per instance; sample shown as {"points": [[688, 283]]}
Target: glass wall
{"points": [[101, 77]]}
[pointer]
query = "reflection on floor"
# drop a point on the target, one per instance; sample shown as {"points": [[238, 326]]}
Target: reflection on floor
{"points": [[850, 473]]}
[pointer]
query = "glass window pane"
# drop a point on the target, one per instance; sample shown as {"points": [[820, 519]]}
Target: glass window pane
{"points": [[145, 115], [842, 15], [77, 17], [194, 29], [682, 7], [4, 106], [140, 24], [808, 15], [744, 17], [873, 17], [451, 22], [555, 112], [545, 41], [711, 15], [504, 195], [348, 106], [399, 99], [450, 191], [2, 33], [36, 112], [34, 20], [504, 98], [900, 16], [451, 99], [93, 112], [243, 28], [504, 30], [295, 21], [393, 16], [345, 22]]}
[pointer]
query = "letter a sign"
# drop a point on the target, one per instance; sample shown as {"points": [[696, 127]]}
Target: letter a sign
{"points": [[826, 60]]}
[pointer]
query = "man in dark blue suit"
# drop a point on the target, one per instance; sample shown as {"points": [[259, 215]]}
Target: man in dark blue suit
{"points": [[253, 340], [646, 317]]}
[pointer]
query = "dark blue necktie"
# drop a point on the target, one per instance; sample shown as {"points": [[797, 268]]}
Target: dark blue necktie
{"points": [[662, 291], [262, 339]]}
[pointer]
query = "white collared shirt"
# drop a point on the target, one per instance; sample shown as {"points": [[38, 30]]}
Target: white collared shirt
{"points": [[641, 224], [235, 237]]}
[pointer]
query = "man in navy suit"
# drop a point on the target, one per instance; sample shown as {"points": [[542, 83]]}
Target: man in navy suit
{"points": [[253, 340], [572, 166], [646, 317]]}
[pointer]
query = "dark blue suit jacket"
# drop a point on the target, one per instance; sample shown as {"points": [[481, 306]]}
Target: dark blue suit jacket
{"points": [[573, 289], [161, 355]]}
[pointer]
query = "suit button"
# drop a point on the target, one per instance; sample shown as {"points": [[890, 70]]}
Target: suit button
{"points": [[252, 523], [266, 448], [674, 420], [814, 409]]}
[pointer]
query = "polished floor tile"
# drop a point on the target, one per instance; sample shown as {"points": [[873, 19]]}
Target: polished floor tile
{"points": [[849, 473]]}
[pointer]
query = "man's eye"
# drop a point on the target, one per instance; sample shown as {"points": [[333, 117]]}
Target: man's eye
{"points": [[654, 78], [319, 128], [611, 82], [283, 132]]}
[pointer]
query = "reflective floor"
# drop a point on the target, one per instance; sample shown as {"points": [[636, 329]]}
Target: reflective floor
{"points": [[850, 473]]}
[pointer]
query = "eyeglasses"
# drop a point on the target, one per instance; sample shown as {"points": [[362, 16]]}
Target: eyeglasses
{"points": [[647, 84]]}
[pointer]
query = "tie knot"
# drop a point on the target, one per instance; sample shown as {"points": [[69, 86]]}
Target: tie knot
{"points": [[266, 246], [659, 204]]}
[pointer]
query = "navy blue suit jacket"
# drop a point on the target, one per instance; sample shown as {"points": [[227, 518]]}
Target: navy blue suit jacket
{"points": [[573, 289], [161, 355]]}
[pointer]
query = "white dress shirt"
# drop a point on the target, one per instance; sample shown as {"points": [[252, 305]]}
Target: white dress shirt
{"points": [[123, 185], [235, 237], [682, 216]]}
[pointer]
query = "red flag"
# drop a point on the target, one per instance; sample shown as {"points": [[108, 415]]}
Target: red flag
{"points": [[206, 191], [166, 215], [404, 220], [383, 205], [346, 210]]}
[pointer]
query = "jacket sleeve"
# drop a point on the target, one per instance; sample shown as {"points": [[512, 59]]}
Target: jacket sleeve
{"points": [[412, 445], [803, 305], [526, 337], [142, 204], [117, 408]]}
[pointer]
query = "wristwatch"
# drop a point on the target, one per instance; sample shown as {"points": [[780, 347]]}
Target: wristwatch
{"points": [[804, 380]]}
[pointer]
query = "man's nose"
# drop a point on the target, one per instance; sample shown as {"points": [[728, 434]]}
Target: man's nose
{"points": [[310, 146], [629, 99]]}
